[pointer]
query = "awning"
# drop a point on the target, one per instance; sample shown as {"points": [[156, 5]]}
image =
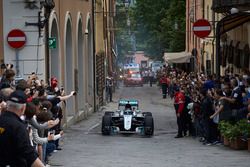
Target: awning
{"points": [[232, 21], [177, 57], [224, 25]]}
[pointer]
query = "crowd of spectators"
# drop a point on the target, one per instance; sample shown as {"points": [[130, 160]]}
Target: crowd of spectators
{"points": [[202, 101], [36, 107]]}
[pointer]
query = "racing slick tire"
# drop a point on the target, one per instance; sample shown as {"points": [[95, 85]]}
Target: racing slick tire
{"points": [[147, 113], [149, 125], [106, 124]]}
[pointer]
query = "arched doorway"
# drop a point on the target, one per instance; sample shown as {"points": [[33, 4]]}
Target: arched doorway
{"points": [[80, 70], [90, 57], [54, 53], [69, 67]]}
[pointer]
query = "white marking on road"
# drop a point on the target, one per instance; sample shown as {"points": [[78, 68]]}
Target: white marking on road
{"points": [[92, 127]]}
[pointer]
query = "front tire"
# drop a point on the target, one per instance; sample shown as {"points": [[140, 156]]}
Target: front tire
{"points": [[106, 124], [149, 125]]}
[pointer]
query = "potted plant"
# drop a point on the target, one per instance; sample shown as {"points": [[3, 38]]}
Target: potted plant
{"points": [[247, 134], [224, 128], [248, 144], [237, 135]]}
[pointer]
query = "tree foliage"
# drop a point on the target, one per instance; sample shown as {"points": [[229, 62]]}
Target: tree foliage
{"points": [[175, 25], [158, 25], [122, 36]]}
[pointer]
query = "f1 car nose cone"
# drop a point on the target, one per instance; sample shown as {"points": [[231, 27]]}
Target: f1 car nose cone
{"points": [[127, 122]]}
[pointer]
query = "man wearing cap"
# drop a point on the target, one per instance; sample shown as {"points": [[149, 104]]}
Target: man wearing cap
{"points": [[109, 88], [15, 146]]}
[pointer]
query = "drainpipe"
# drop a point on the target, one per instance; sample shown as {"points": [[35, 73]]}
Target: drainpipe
{"points": [[203, 9], [218, 50], [94, 54], [195, 41], [203, 45], [47, 52], [214, 37]]}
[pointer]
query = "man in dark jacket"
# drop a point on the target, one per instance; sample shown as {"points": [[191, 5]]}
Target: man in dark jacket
{"points": [[15, 146], [207, 110]]}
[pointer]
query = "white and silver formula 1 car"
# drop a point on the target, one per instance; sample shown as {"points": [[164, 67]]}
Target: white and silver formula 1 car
{"points": [[128, 118]]}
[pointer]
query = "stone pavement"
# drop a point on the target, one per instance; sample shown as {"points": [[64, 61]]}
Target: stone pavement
{"points": [[83, 144]]}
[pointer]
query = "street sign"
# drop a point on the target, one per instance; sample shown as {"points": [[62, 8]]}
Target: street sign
{"points": [[16, 38], [202, 28], [52, 43]]}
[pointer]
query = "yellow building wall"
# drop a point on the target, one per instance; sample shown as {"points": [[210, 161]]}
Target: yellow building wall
{"points": [[99, 27], [209, 43]]}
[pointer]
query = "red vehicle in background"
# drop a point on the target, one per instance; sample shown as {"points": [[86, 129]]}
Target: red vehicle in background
{"points": [[131, 68], [134, 79]]}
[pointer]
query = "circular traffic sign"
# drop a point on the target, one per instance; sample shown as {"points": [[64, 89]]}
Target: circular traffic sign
{"points": [[202, 28], [16, 38]]}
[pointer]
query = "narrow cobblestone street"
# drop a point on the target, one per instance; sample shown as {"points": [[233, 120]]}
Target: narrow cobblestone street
{"points": [[83, 144]]}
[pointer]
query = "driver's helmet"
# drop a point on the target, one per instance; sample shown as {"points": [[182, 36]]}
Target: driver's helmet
{"points": [[128, 106]]}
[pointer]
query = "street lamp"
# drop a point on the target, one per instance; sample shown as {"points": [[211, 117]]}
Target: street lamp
{"points": [[48, 5], [128, 22], [126, 3], [176, 25]]}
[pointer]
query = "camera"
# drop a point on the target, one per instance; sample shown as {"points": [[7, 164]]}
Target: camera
{"points": [[52, 132], [7, 66], [74, 93], [32, 91]]}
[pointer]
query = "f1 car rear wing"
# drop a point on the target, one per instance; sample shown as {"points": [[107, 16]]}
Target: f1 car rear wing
{"points": [[132, 102]]}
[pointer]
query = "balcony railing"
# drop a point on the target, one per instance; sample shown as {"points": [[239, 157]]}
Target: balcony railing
{"points": [[221, 6]]}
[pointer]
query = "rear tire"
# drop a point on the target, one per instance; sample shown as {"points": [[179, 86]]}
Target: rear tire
{"points": [[106, 124], [149, 125]]}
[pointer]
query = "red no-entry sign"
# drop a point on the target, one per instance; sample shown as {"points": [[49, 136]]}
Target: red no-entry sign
{"points": [[201, 28], [16, 38]]}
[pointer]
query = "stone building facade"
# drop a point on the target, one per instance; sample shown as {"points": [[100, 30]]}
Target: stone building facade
{"points": [[72, 61]]}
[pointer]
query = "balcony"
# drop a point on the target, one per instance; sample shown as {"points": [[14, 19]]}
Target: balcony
{"points": [[224, 6]]}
